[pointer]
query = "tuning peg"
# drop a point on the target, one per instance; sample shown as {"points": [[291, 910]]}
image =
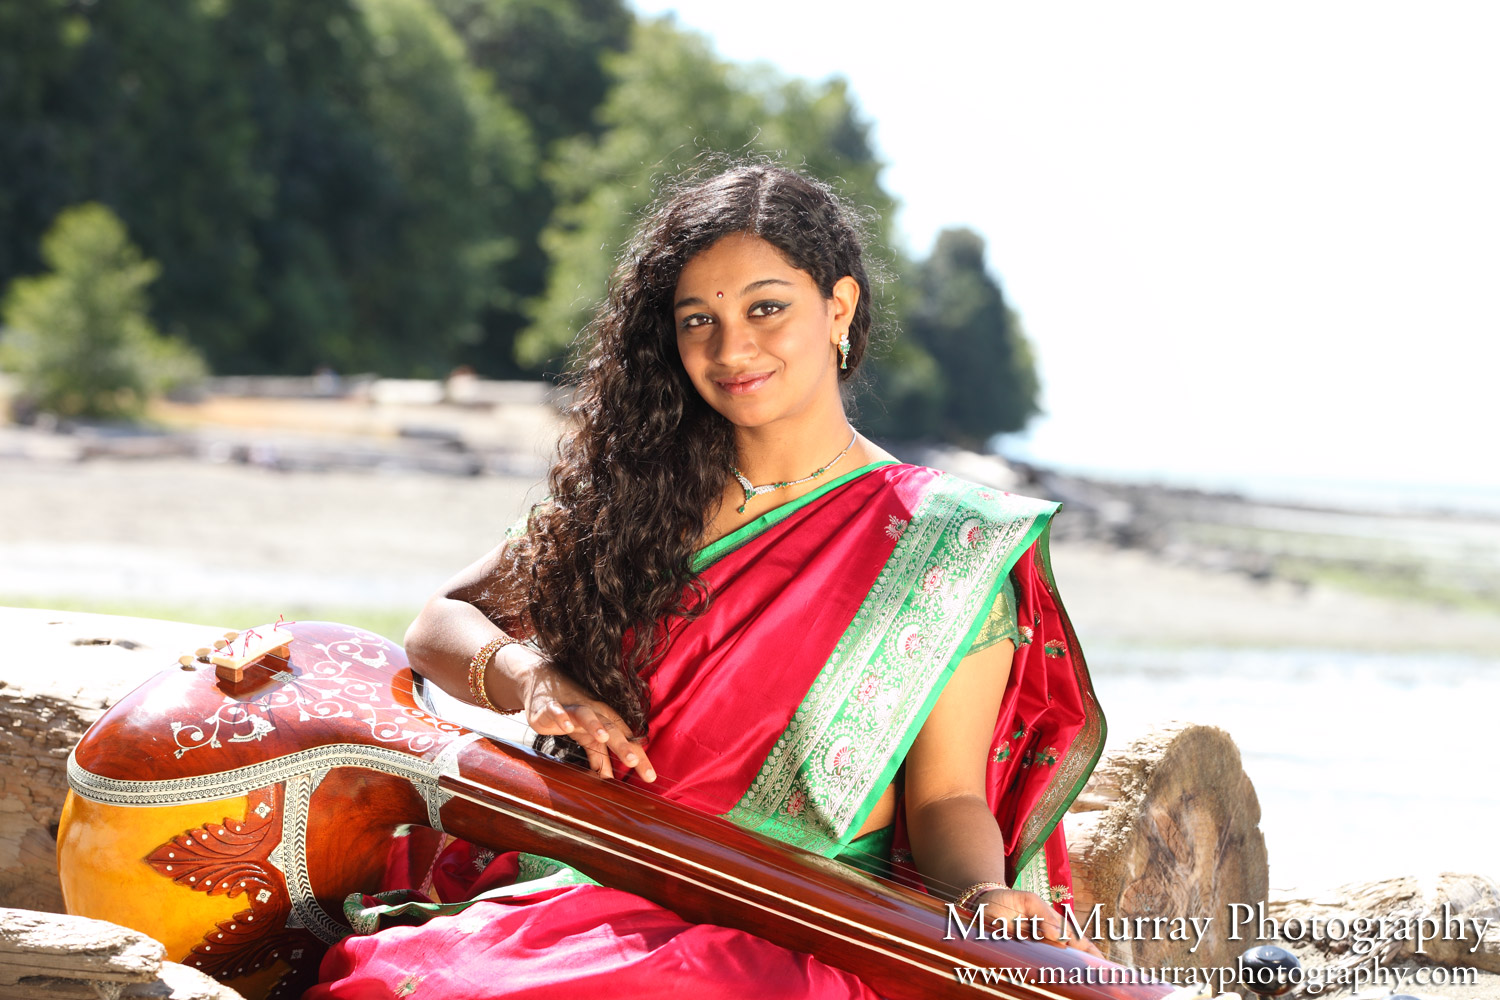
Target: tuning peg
{"points": [[231, 635], [1269, 971]]}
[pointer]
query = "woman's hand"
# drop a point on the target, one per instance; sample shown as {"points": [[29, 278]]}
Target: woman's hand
{"points": [[1028, 917], [554, 706]]}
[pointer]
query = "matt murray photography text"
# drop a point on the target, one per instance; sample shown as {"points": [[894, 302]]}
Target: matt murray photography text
{"points": [[1245, 922]]}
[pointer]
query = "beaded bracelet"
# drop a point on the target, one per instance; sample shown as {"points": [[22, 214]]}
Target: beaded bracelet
{"points": [[477, 667], [973, 892]]}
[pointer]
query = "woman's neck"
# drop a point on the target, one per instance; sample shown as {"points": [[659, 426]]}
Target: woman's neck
{"points": [[771, 458], [790, 449], [778, 454]]}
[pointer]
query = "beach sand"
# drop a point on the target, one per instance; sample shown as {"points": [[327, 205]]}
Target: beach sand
{"points": [[182, 529]]}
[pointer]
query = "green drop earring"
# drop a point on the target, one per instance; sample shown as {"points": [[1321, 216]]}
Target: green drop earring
{"points": [[844, 350]]}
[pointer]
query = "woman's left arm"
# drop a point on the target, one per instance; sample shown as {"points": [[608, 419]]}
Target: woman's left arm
{"points": [[955, 840]]}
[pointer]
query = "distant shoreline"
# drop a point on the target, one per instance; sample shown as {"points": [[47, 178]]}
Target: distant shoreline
{"points": [[111, 535]]}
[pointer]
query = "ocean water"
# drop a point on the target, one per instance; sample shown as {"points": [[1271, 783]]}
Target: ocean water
{"points": [[1366, 765]]}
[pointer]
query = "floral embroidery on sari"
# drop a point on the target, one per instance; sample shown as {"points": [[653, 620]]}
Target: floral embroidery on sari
{"points": [[869, 700], [1086, 747]]}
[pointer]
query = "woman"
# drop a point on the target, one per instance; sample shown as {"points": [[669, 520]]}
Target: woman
{"points": [[735, 598]]}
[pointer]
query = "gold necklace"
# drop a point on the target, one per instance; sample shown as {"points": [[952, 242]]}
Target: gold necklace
{"points": [[751, 491]]}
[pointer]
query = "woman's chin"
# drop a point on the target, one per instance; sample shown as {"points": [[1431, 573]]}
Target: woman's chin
{"points": [[745, 420], [744, 411]]}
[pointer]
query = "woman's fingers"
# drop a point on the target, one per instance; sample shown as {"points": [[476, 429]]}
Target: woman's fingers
{"points": [[1030, 917], [1053, 928], [1085, 945], [598, 732], [609, 732], [562, 717], [599, 761]]}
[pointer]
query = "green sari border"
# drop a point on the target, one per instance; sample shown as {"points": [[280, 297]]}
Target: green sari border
{"points": [[934, 592], [1040, 522], [719, 548]]}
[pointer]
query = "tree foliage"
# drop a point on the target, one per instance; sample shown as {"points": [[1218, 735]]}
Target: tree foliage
{"points": [[79, 336], [406, 185], [961, 318], [546, 57], [322, 183]]}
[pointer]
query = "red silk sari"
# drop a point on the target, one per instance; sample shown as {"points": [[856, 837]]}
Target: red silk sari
{"points": [[787, 707]]}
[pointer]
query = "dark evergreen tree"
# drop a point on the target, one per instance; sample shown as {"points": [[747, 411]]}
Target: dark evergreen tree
{"points": [[961, 318], [546, 57]]}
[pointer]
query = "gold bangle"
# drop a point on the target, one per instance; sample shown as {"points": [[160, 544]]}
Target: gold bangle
{"points": [[478, 667], [973, 892]]}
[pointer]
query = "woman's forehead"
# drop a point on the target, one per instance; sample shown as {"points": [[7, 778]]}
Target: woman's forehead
{"points": [[736, 261]]}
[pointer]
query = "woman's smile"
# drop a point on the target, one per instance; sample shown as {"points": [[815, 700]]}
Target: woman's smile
{"points": [[739, 385]]}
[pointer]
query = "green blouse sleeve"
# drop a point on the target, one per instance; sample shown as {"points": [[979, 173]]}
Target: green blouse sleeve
{"points": [[518, 530], [1001, 623]]}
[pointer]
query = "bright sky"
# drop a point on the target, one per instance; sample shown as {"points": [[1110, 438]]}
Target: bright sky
{"points": [[1249, 241]]}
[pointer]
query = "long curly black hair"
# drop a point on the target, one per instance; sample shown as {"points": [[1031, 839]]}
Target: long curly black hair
{"points": [[606, 563]]}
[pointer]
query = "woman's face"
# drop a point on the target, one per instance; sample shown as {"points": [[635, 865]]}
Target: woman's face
{"points": [[756, 335]]}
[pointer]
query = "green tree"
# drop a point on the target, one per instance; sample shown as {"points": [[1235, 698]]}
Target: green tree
{"points": [[322, 183], [962, 320], [129, 105], [79, 336], [546, 57], [460, 161]]}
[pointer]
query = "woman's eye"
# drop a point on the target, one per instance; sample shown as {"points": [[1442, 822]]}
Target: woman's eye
{"points": [[767, 308], [695, 320]]}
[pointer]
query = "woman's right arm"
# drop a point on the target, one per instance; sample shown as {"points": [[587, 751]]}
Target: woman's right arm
{"points": [[451, 628]]}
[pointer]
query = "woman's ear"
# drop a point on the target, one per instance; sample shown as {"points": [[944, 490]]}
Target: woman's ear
{"points": [[844, 298]]}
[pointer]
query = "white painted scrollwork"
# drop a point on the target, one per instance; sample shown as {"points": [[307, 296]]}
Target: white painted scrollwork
{"points": [[325, 683]]}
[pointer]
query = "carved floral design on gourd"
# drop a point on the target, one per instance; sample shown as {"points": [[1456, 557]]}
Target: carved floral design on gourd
{"points": [[232, 859], [322, 684]]}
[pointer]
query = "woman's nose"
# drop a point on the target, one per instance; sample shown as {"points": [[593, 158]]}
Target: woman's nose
{"points": [[735, 342]]}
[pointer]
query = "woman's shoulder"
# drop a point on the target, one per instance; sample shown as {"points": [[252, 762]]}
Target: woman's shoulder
{"points": [[946, 496]]}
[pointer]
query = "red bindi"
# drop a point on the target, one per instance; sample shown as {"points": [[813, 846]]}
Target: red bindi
{"points": [[719, 294]]}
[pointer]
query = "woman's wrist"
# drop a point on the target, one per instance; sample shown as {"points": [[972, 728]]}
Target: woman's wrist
{"points": [[970, 897], [513, 675], [482, 674]]}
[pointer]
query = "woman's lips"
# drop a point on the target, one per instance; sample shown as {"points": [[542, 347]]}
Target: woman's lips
{"points": [[741, 384]]}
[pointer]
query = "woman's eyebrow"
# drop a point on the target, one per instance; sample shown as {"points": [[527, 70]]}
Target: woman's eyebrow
{"points": [[693, 300], [762, 283]]}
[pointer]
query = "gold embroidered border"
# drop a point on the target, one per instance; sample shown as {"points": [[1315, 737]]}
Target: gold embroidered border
{"points": [[794, 800]]}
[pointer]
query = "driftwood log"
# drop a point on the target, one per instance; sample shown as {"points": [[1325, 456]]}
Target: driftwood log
{"points": [[60, 672], [51, 955], [1168, 827], [1452, 902]]}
